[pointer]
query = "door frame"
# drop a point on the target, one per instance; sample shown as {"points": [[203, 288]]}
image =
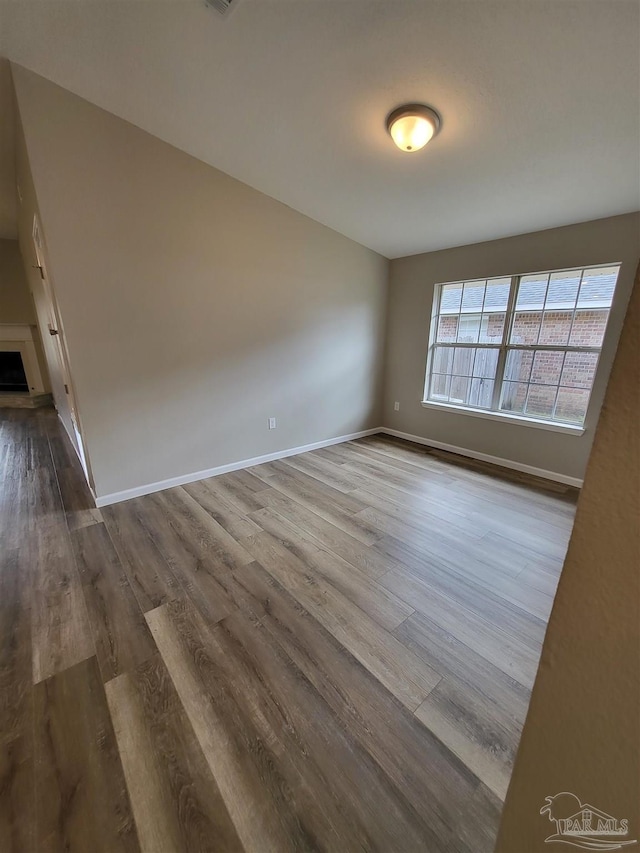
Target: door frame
{"points": [[55, 330]]}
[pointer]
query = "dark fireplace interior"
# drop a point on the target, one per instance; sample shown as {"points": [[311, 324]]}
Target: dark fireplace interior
{"points": [[12, 375]]}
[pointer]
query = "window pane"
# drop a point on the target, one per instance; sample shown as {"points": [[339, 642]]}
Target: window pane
{"points": [[450, 297], [525, 328], [518, 366], [579, 369], [547, 367], [481, 393], [597, 287], [447, 329], [442, 360], [514, 395], [532, 292], [463, 361], [491, 328], [540, 401], [555, 331], [440, 385], [556, 326], [485, 363], [469, 328], [563, 289], [459, 393], [473, 297], [572, 405], [497, 294], [588, 328]]}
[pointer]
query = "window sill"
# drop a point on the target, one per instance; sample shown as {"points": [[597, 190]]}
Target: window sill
{"points": [[567, 429]]}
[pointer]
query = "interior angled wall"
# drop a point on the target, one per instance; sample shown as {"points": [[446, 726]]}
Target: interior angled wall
{"points": [[581, 732], [194, 307]]}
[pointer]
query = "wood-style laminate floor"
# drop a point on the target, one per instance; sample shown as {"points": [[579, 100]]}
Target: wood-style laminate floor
{"points": [[332, 652]]}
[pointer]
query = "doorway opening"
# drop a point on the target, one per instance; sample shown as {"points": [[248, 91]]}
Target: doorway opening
{"points": [[12, 374]]}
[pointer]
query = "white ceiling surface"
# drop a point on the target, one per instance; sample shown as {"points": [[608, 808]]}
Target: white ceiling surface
{"points": [[540, 102]]}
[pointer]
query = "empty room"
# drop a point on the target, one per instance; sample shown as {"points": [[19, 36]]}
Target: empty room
{"points": [[319, 426]]}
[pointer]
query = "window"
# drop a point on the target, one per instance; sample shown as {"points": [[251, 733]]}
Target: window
{"points": [[524, 346]]}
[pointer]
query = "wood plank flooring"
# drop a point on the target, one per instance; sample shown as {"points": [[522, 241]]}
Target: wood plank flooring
{"points": [[329, 652]]}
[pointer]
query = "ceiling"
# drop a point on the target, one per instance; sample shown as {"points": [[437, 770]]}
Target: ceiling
{"points": [[540, 102]]}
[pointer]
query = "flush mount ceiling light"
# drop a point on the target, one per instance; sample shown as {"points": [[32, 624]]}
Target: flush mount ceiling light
{"points": [[412, 125]]}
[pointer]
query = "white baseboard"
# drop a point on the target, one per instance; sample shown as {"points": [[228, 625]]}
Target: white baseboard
{"points": [[183, 479], [78, 454], [485, 457]]}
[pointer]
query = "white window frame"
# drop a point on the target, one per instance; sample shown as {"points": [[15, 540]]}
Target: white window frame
{"points": [[495, 413]]}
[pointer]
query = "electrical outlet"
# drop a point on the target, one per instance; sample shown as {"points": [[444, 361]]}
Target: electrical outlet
{"points": [[272, 423], [396, 406]]}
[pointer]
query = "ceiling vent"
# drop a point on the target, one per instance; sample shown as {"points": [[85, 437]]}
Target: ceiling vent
{"points": [[222, 6]]}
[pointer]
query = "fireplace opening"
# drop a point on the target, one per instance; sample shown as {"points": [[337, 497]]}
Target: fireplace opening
{"points": [[12, 375]]}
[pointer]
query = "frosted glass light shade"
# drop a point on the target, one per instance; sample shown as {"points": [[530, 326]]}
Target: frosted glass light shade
{"points": [[412, 126]]}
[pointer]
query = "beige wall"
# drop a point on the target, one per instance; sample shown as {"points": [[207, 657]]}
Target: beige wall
{"points": [[194, 307], [582, 733], [16, 305], [7, 152], [410, 299]]}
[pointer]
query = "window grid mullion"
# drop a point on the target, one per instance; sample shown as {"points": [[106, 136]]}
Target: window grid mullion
{"points": [[575, 308], [466, 344], [555, 402], [435, 324], [534, 347], [526, 399], [502, 354], [552, 348]]}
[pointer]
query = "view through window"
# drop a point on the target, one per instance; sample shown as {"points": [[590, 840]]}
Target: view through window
{"points": [[524, 345]]}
